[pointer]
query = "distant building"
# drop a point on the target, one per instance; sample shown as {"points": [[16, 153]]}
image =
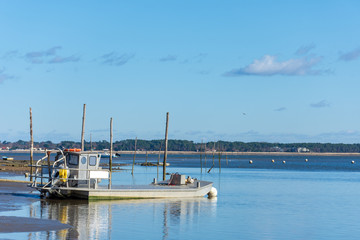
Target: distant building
{"points": [[277, 149], [302, 149]]}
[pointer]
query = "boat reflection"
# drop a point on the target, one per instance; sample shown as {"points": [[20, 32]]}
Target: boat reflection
{"points": [[109, 219]]}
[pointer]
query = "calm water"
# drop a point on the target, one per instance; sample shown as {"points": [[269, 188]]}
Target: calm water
{"points": [[318, 199]]}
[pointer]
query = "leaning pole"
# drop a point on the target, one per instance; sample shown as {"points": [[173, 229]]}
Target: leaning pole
{"points": [[166, 145]]}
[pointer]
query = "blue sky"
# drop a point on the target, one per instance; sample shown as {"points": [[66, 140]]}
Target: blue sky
{"points": [[276, 71]]}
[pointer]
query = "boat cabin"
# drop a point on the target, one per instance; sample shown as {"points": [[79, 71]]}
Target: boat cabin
{"points": [[77, 168]]}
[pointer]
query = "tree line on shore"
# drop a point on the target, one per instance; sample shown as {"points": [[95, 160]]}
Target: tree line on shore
{"points": [[185, 145]]}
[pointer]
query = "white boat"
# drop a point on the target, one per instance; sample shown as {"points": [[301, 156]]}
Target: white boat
{"points": [[77, 174]]}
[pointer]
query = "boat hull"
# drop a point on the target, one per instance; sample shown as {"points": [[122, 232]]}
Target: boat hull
{"points": [[152, 191]]}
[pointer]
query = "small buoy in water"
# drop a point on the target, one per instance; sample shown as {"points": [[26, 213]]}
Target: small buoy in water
{"points": [[273, 160], [284, 162], [250, 161], [352, 161], [306, 160], [26, 175], [212, 193]]}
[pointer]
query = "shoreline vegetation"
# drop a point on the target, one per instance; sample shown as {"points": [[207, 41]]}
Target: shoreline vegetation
{"points": [[190, 147], [223, 153], [21, 166]]}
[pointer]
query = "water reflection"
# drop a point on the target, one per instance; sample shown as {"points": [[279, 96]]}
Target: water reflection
{"points": [[114, 219]]}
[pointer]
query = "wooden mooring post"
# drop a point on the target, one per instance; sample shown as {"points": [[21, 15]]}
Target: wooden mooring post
{"points": [[166, 145], [213, 155], [205, 155], [158, 162], [111, 144], [83, 128], [201, 155], [31, 147], [132, 170], [219, 161], [111, 151]]}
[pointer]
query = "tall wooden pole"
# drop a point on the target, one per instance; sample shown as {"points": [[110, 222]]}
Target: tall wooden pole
{"points": [[205, 155], [83, 128], [166, 145], [111, 144], [214, 154], [31, 146], [157, 170], [219, 161], [132, 170], [110, 157], [201, 155], [219, 146]]}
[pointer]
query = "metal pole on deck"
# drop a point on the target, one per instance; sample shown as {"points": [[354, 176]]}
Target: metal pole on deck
{"points": [[166, 145], [83, 128], [31, 146], [48, 162]]}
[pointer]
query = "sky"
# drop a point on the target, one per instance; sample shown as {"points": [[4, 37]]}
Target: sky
{"points": [[251, 71]]}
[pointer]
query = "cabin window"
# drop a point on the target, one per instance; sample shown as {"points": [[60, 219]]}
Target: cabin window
{"points": [[92, 161], [83, 160], [73, 159]]}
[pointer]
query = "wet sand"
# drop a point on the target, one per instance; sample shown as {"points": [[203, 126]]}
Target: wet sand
{"points": [[15, 194]]}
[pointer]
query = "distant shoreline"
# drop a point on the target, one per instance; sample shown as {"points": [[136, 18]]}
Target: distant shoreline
{"points": [[2, 152]]}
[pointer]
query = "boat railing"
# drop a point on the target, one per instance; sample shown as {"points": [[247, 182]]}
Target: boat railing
{"points": [[92, 174]]}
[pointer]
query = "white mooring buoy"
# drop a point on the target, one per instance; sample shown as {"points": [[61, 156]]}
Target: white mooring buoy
{"points": [[250, 162], [352, 161], [284, 161], [212, 193], [306, 160], [273, 161]]}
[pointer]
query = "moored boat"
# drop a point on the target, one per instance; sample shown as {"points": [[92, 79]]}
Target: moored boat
{"points": [[77, 174]]}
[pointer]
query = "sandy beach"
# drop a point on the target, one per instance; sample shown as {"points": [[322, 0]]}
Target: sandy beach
{"points": [[15, 194]]}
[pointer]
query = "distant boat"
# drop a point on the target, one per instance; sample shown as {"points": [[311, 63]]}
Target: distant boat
{"points": [[7, 158], [107, 155], [76, 174]]}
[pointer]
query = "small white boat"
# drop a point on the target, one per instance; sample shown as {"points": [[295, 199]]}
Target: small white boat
{"points": [[107, 155], [77, 174]]}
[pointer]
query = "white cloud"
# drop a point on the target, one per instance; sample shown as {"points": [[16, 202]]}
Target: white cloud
{"points": [[280, 109], [116, 59], [58, 59], [49, 56], [269, 66], [4, 76], [321, 104], [305, 49], [168, 58], [350, 56]]}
